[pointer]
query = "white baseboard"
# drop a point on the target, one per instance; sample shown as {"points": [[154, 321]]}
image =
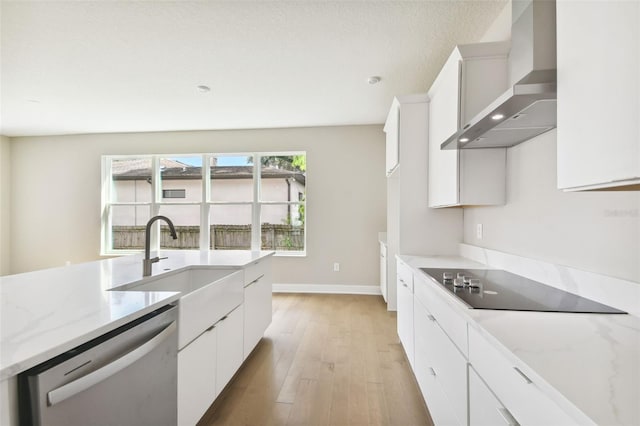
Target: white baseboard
{"points": [[327, 289]]}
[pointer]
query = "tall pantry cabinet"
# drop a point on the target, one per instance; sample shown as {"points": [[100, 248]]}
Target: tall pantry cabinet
{"points": [[412, 227]]}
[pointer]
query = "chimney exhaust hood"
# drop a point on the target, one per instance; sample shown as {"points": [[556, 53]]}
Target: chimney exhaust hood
{"points": [[528, 107]]}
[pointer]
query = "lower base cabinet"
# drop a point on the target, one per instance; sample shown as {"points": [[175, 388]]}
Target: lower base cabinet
{"points": [[197, 377], [207, 364], [484, 408], [527, 402], [257, 310], [439, 364], [440, 407], [405, 310], [229, 356], [465, 379]]}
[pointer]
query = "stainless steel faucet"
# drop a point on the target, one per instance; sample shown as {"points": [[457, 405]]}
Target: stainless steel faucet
{"points": [[147, 262]]}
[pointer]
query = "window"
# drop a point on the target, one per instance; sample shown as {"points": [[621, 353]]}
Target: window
{"points": [[245, 201], [174, 193]]}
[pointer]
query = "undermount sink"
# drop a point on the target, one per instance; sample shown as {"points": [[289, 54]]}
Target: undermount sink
{"points": [[207, 296]]}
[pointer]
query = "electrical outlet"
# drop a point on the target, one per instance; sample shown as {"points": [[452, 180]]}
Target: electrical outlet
{"points": [[479, 231], [336, 267]]}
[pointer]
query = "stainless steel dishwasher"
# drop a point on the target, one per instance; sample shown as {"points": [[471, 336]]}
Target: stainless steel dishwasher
{"points": [[126, 377]]}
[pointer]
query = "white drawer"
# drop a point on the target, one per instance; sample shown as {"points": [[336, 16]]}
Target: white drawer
{"points": [[440, 408], [256, 270], [436, 355], [451, 322], [528, 404], [405, 276]]}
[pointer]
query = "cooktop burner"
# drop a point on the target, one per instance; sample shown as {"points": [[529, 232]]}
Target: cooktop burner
{"points": [[502, 290]]}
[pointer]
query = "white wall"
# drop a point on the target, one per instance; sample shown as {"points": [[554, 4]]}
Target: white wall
{"points": [[593, 231], [56, 204], [5, 205]]}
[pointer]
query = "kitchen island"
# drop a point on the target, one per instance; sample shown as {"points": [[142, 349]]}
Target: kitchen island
{"points": [[48, 312]]}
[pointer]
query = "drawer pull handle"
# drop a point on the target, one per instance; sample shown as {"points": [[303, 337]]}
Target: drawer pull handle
{"points": [[524, 376], [431, 318], [254, 281], [432, 371], [508, 418], [403, 283]]}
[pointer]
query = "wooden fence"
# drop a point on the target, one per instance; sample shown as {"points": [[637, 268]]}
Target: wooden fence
{"points": [[222, 237]]}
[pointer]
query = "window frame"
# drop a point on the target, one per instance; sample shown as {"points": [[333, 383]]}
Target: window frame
{"points": [[205, 203]]}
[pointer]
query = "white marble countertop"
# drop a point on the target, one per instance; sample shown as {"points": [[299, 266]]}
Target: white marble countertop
{"points": [[48, 312], [588, 363]]}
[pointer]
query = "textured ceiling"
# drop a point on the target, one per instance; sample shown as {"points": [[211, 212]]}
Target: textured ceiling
{"points": [[124, 66]]}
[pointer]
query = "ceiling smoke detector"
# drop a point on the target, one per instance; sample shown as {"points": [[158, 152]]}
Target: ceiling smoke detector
{"points": [[204, 89], [374, 79]]}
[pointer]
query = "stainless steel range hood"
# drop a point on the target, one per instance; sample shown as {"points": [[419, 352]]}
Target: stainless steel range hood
{"points": [[528, 108]]}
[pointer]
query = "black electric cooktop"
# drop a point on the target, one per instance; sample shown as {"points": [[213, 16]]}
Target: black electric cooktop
{"points": [[502, 290]]}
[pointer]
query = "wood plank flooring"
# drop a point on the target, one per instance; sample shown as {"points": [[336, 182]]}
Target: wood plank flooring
{"points": [[325, 360]]}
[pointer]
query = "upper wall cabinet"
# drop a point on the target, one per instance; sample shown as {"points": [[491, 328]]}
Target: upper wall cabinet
{"points": [[473, 77], [392, 131], [598, 95]]}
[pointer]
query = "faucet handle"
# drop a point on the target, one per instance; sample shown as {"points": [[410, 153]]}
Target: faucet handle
{"points": [[162, 258]]}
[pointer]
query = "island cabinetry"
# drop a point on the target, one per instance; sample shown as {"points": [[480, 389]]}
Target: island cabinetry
{"points": [[598, 94], [229, 353], [473, 77], [405, 309], [514, 385], [207, 364], [197, 377], [257, 303]]}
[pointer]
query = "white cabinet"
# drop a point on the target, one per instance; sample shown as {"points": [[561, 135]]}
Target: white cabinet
{"points": [[230, 347], [430, 376], [383, 270], [598, 47], [405, 309], [473, 77], [514, 384], [438, 356], [257, 303], [197, 377], [206, 365], [392, 130], [484, 408]]}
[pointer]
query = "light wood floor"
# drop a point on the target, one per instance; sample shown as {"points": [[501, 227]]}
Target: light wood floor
{"points": [[325, 360]]}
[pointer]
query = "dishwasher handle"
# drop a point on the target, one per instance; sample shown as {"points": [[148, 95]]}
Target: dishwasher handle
{"points": [[85, 382]]}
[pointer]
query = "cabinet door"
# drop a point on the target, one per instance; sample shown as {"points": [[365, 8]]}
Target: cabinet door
{"points": [[383, 271], [440, 408], [197, 377], [598, 93], [392, 131], [257, 311], [484, 407], [444, 121], [405, 310], [229, 351]]}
